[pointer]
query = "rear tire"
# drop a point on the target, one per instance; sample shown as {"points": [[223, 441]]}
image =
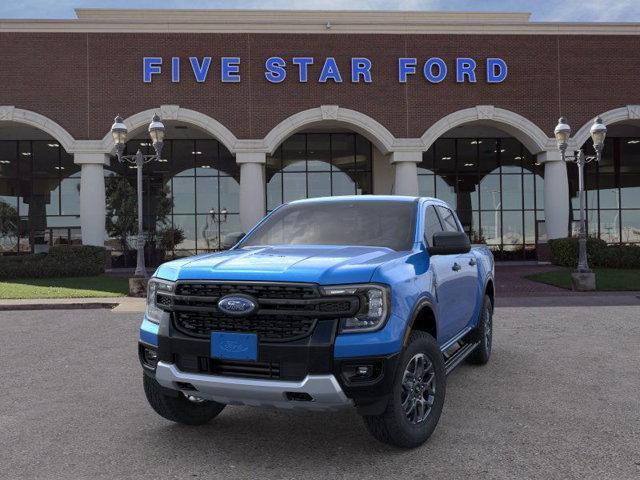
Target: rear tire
{"points": [[401, 424], [483, 334], [179, 408]]}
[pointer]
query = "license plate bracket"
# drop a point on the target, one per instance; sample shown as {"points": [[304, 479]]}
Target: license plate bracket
{"points": [[234, 346]]}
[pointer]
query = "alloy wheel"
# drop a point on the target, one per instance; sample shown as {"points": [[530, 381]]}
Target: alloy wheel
{"points": [[418, 388]]}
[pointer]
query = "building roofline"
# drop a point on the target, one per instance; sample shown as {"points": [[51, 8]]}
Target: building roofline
{"points": [[310, 21]]}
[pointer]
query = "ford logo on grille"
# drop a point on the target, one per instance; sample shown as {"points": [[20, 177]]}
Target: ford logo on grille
{"points": [[238, 305]]}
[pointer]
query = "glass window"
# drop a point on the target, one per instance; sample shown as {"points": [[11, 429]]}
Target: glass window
{"points": [[183, 157], [229, 194], [8, 159], [309, 165], [426, 186], [630, 226], [512, 192], [274, 191], [448, 219], [445, 156], [629, 155], [207, 194], [366, 223], [512, 234], [342, 184], [610, 225], [467, 154], [318, 152], [183, 191], [488, 158], [630, 191], [294, 186], [431, 224], [319, 185]]}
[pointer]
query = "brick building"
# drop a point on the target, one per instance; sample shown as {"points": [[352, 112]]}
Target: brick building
{"points": [[262, 107]]}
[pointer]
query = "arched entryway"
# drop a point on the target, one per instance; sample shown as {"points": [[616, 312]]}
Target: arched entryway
{"points": [[483, 164], [612, 185], [39, 184], [191, 196], [325, 151]]}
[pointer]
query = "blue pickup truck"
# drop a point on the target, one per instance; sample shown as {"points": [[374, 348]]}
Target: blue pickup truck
{"points": [[359, 301]]}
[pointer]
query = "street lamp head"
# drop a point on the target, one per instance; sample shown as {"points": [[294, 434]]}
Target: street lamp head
{"points": [[562, 133], [598, 133], [156, 132], [119, 133]]}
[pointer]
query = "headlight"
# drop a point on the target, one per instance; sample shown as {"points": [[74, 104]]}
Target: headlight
{"points": [[374, 306], [154, 313]]}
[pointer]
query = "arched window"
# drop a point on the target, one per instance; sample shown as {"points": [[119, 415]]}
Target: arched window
{"points": [[310, 165], [495, 187], [39, 195], [191, 198], [612, 188]]}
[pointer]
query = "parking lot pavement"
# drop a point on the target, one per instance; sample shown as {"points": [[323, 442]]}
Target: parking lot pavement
{"points": [[559, 399]]}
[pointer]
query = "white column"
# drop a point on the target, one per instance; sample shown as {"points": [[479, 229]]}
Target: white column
{"points": [[406, 169], [92, 197], [252, 188], [556, 194]]}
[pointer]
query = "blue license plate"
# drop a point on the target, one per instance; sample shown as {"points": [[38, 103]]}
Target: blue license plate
{"points": [[234, 346]]}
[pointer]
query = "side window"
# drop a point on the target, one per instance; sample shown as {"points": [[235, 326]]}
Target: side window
{"points": [[449, 222], [431, 224]]}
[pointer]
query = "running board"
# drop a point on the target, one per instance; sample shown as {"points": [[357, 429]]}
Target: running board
{"points": [[463, 352]]}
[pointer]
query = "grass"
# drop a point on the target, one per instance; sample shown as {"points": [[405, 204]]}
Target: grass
{"points": [[607, 279], [73, 287]]}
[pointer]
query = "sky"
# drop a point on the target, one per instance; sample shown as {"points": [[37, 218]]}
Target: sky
{"points": [[542, 10]]}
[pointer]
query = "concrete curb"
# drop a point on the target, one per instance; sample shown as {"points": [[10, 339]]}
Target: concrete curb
{"points": [[8, 307]]}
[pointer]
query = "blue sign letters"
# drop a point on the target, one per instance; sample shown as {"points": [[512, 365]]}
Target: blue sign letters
{"points": [[361, 69]]}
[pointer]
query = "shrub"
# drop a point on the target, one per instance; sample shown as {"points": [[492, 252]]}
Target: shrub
{"points": [[61, 261], [564, 252], [620, 256]]}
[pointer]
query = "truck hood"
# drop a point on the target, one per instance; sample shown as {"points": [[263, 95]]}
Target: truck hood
{"points": [[314, 264]]}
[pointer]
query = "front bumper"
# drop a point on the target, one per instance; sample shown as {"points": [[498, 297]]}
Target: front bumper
{"points": [[314, 392], [301, 374]]}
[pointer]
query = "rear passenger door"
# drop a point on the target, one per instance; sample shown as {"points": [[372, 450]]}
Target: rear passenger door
{"points": [[465, 276]]}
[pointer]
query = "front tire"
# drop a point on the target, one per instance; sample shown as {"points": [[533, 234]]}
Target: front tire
{"points": [[417, 398], [179, 408]]}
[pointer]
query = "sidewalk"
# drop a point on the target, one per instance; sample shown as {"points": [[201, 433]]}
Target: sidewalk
{"points": [[117, 304]]}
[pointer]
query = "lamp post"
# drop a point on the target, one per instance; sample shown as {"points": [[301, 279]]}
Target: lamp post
{"points": [[156, 132], [583, 278]]}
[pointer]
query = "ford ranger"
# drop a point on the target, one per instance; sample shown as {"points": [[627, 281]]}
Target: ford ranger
{"points": [[360, 301]]}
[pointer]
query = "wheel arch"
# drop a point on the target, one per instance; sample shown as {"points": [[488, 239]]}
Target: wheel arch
{"points": [[424, 319], [489, 289]]}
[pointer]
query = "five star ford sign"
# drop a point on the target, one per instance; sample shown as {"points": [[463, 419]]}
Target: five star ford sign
{"points": [[361, 69]]}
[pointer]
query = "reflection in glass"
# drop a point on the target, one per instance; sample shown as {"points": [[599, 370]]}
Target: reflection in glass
{"points": [[630, 226], [610, 226], [39, 191], [309, 165], [484, 178]]}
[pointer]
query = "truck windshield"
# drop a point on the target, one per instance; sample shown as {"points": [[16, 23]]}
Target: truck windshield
{"points": [[363, 223]]}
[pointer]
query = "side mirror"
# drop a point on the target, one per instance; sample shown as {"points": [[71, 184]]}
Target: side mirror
{"points": [[231, 239], [450, 243]]}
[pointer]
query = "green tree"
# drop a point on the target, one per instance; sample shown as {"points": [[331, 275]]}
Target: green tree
{"points": [[122, 210], [9, 222]]}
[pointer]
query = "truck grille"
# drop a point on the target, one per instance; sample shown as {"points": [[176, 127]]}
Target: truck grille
{"points": [[285, 311], [257, 290], [268, 327]]}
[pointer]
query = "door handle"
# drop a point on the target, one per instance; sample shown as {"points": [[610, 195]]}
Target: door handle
{"points": [[456, 267], [473, 262]]}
